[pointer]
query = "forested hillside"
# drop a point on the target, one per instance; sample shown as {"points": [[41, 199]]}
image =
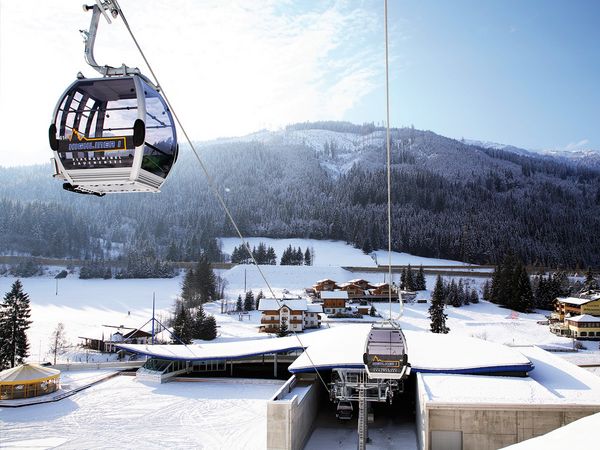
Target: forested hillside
{"points": [[325, 180]]}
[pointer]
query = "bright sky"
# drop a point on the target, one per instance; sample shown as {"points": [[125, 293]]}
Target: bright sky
{"points": [[519, 72]]}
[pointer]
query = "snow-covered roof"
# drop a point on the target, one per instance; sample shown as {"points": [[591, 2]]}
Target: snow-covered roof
{"points": [[554, 381], [27, 373], [314, 308], [270, 304], [578, 434], [576, 300], [325, 280], [427, 352], [334, 295], [343, 346], [584, 318]]}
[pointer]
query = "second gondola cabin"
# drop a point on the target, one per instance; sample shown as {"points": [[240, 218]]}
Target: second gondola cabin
{"points": [[111, 135]]}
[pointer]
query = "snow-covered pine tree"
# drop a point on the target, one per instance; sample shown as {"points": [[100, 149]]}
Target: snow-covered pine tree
{"points": [[271, 256], [436, 310], [239, 305], [14, 323]]}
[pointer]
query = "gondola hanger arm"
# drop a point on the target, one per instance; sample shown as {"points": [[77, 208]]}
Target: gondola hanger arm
{"points": [[89, 37]]}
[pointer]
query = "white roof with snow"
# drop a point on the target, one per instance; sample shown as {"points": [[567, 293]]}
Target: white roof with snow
{"points": [[334, 295], [311, 307], [343, 346], [584, 318], [578, 434], [554, 381], [270, 304], [576, 300]]}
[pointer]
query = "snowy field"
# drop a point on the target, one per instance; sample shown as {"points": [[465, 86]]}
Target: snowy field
{"points": [[326, 253], [124, 413]]}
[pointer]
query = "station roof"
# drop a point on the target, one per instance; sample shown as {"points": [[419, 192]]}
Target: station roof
{"points": [[343, 346], [553, 382]]}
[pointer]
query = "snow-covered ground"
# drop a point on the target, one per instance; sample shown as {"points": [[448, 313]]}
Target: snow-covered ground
{"points": [[125, 413], [84, 306]]}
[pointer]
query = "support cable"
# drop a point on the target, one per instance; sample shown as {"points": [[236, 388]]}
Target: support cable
{"points": [[213, 186]]}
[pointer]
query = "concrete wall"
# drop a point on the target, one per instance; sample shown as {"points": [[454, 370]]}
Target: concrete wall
{"points": [[490, 427], [291, 413]]}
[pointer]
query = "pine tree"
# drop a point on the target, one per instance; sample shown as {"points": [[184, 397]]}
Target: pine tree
{"points": [[182, 324], [209, 329], [420, 283], [403, 276], [282, 330], [436, 310], [485, 293], [410, 279], [271, 256], [259, 296], [188, 288], [453, 295], [14, 323], [307, 257], [239, 306], [249, 301], [58, 340], [590, 283], [524, 293], [205, 281], [474, 297], [198, 322]]}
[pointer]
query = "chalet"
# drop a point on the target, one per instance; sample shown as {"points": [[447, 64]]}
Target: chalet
{"points": [[381, 292], [363, 284], [325, 285], [334, 301], [298, 314], [575, 306], [353, 290], [583, 326], [109, 345]]}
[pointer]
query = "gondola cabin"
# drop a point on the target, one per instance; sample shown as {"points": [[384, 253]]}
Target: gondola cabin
{"points": [[112, 134], [385, 354]]}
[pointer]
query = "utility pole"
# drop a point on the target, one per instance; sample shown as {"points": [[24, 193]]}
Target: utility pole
{"points": [[153, 319]]}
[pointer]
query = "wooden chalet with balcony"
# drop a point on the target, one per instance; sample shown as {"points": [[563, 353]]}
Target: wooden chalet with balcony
{"points": [[334, 301], [298, 314], [381, 292], [574, 306], [361, 283], [353, 290], [325, 285]]}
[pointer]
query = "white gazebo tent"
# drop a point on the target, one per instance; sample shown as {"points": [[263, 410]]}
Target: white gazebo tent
{"points": [[28, 380]]}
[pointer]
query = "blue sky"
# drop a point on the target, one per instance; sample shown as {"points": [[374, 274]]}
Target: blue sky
{"points": [[520, 72], [517, 72]]}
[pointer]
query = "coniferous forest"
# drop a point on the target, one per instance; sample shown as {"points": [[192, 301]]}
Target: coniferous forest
{"points": [[450, 200]]}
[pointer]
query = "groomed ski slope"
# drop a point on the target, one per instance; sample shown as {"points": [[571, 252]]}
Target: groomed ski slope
{"points": [[124, 413]]}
